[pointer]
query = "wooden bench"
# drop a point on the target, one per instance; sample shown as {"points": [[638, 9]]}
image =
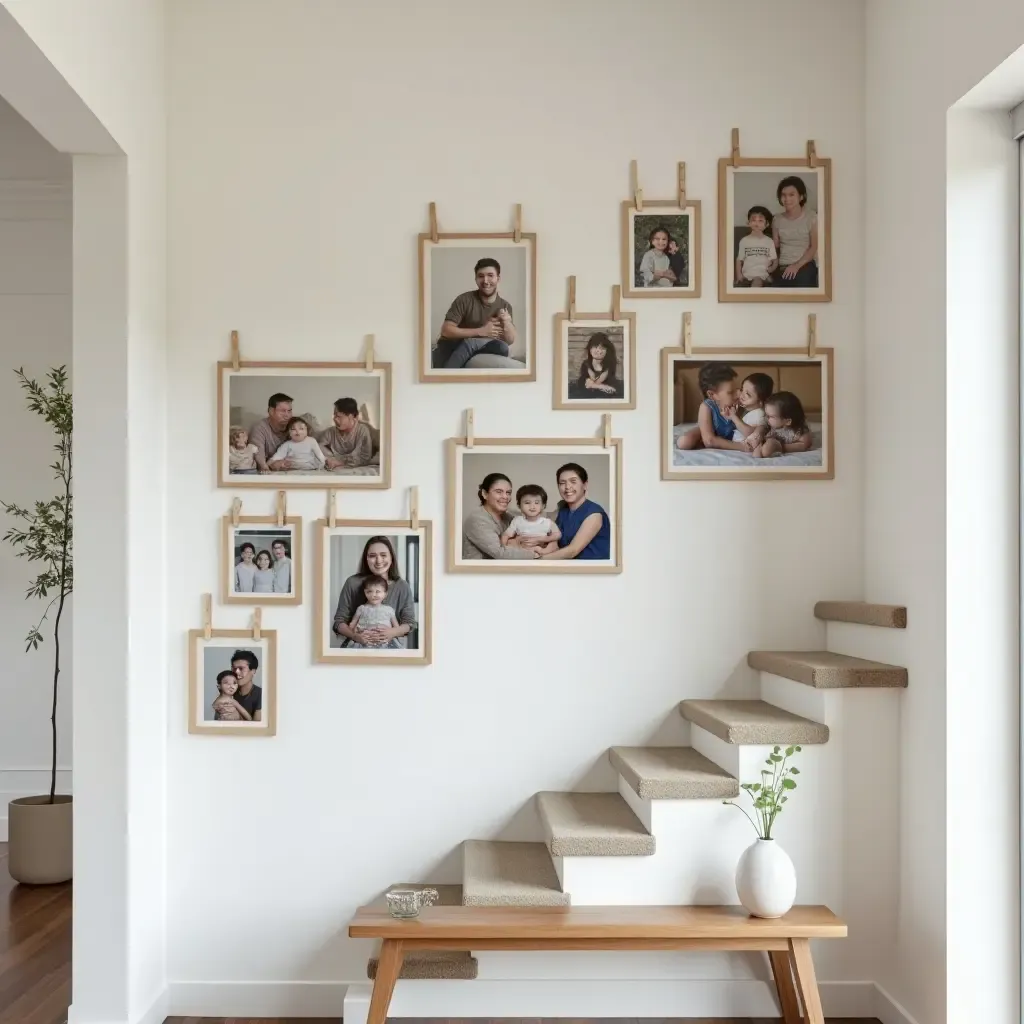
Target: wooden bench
{"points": [[786, 940]]}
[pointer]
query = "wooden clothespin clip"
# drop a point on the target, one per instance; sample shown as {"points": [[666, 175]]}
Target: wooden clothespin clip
{"points": [[682, 183], [687, 333], [517, 233], [812, 154], [282, 507], [414, 508], [369, 353], [606, 421], [469, 428], [572, 296], [812, 335], [332, 509], [236, 511], [433, 222], [207, 616], [638, 192], [616, 300], [234, 351], [257, 622], [735, 147]]}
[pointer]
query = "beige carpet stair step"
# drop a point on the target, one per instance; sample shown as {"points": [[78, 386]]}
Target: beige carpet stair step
{"points": [[498, 874], [827, 671], [890, 616], [752, 722], [428, 964], [672, 773], [592, 825]]}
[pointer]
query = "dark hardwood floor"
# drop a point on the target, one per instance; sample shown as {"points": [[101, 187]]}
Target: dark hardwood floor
{"points": [[35, 966]]}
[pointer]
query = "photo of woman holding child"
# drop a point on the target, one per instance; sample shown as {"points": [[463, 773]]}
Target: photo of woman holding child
{"points": [[509, 517], [595, 362], [661, 249], [774, 223], [373, 592], [747, 416]]}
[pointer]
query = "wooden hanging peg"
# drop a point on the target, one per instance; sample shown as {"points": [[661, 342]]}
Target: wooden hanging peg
{"points": [[282, 507], [236, 511], [207, 616], [235, 362], [332, 509], [812, 154], [735, 147], [682, 182], [606, 422], [469, 428], [433, 222], [616, 300], [638, 192], [517, 233], [257, 623], [414, 508], [369, 353], [812, 335], [687, 333], [572, 296]]}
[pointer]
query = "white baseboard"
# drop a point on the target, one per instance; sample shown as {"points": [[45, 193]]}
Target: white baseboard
{"points": [[20, 782], [888, 1011], [156, 1014], [255, 998]]}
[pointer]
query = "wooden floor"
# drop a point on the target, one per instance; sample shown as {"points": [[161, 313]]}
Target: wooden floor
{"points": [[35, 966]]}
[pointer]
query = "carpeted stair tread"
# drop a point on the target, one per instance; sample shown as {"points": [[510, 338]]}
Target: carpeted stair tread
{"points": [[672, 773], [890, 616], [752, 722], [427, 964], [592, 825], [827, 671], [498, 874]]}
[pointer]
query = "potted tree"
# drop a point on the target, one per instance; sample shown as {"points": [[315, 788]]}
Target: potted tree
{"points": [[40, 827]]}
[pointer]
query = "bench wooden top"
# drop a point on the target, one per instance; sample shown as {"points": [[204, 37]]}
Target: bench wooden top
{"points": [[467, 923]]}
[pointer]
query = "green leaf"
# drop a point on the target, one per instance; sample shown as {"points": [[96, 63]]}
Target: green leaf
{"points": [[789, 751], [798, 749], [776, 758], [788, 784], [795, 771], [776, 750]]}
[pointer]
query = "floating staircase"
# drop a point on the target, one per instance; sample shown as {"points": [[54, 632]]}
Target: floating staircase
{"points": [[664, 837]]}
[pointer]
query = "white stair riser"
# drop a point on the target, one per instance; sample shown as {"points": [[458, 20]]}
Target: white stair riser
{"points": [[876, 643]]}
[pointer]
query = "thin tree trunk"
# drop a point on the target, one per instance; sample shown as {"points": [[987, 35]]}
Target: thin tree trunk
{"points": [[56, 634]]}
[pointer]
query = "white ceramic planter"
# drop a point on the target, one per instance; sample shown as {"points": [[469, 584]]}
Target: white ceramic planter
{"points": [[766, 879]]}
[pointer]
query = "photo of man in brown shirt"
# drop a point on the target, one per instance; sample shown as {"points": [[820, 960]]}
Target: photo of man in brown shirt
{"points": [[477, 322]]}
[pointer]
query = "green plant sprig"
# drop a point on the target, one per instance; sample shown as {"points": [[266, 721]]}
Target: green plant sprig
{"points": [[770, 793]]}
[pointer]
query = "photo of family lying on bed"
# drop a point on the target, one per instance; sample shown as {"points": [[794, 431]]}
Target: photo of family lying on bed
{"points": [[301, 428], [775, 219], [535, 510], [744, 417]]}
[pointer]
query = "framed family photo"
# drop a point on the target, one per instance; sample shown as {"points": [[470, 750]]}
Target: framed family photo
{"points": [[261, 561], [775, 230], [747, 414], [478, 319], [232, 683], [285, 425], [595, 361], [374, 588], [661, 250], [535, 505]]}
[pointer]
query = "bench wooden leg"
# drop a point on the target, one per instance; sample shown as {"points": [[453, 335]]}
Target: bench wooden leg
{"points": [[389, 965], [803, 968], [782, 968]]}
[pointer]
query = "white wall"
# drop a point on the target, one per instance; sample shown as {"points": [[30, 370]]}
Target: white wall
{"points": [[35, 333], [958, 869], [112, 57], [305, 142]]}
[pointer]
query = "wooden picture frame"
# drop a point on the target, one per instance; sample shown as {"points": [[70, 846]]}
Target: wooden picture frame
{"points": [[455, 255], [654, 214], [292, 530], [791, 367], [761, 186], [416, 561], [265, 649], [535, 463], [589, 324], [310, 386]]}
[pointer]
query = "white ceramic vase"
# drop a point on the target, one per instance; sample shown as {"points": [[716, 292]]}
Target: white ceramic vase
{"points": [[766, 879]]}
